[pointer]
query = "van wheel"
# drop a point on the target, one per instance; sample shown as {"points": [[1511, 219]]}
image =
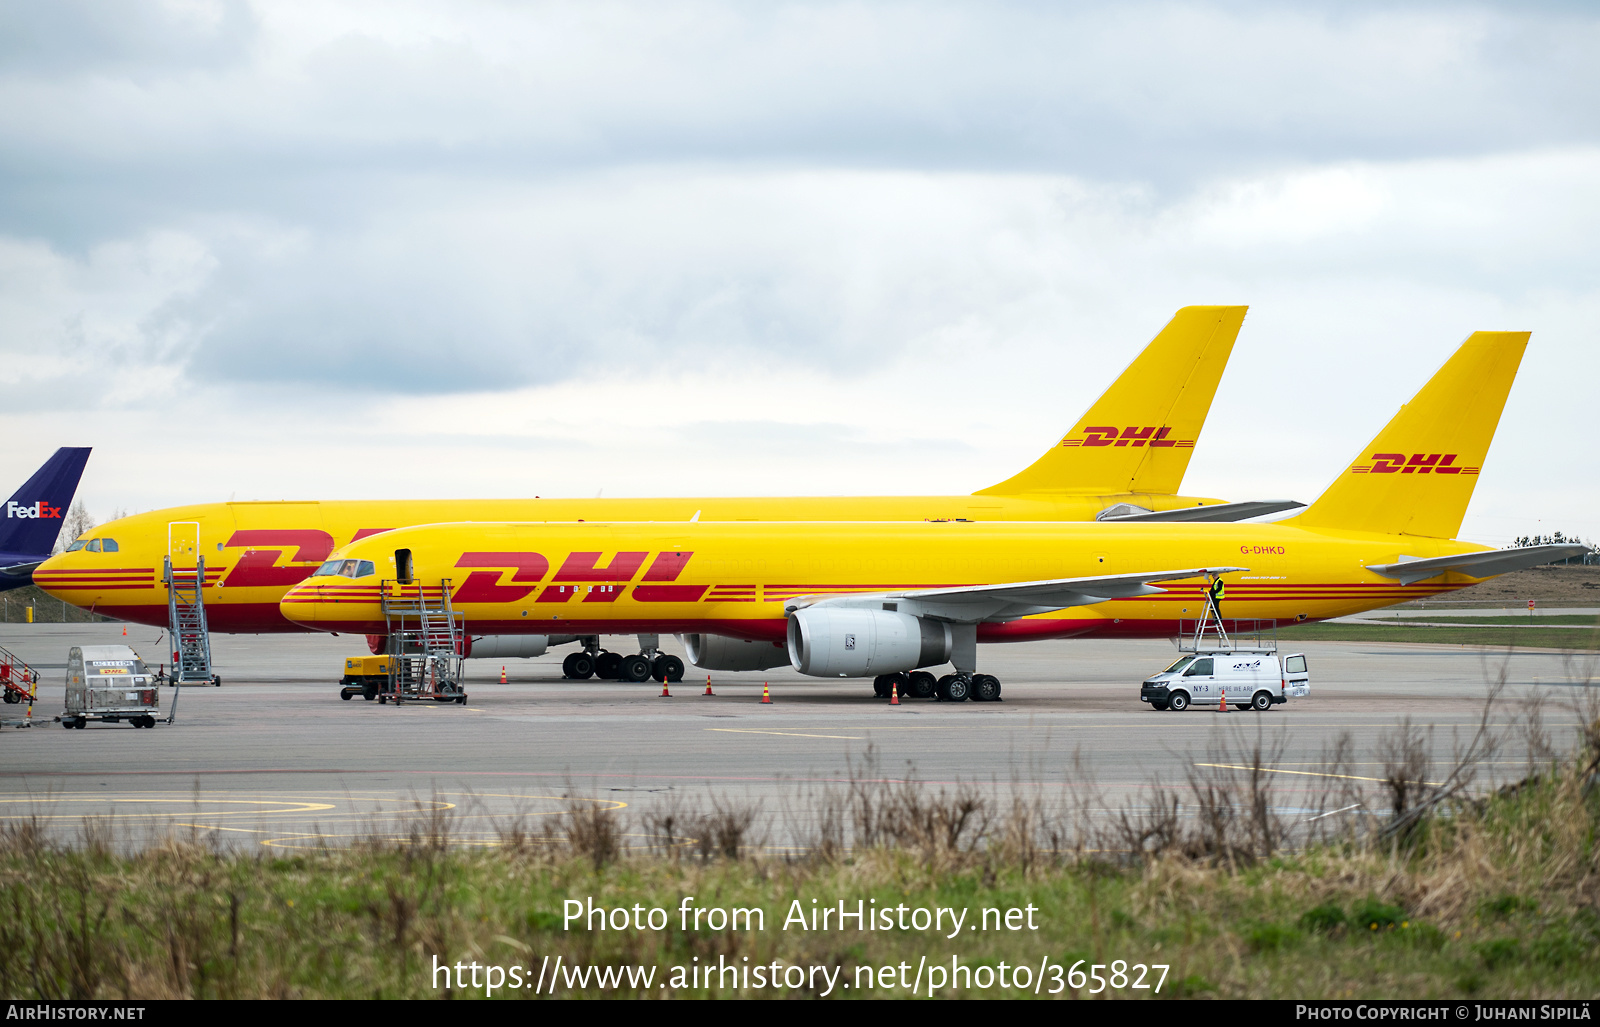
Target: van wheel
{"points": [[1178, 701], [1261, 702], [1159, 705]]}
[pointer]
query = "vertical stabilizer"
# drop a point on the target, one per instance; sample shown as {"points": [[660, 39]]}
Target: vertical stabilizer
{"points": [[33, 517], [1417, 476], [1138, 436]]}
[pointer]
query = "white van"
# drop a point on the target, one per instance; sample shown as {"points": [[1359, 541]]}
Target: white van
{"points": [[1247, 677]]}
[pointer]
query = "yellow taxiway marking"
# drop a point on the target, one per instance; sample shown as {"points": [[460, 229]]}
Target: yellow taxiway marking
{"points": [[790, 734], [290, 806], [1302, 773]]}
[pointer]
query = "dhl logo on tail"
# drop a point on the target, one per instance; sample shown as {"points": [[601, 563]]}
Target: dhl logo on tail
{"points": [[1419, 463], [1153, 436]]}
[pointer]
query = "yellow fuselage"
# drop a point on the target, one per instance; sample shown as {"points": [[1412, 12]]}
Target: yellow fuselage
{"points": [[734, 579], [254, 552]]}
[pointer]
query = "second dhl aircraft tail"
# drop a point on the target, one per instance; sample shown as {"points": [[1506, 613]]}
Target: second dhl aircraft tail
{"points": [[1139, 435], [1417, 476]]}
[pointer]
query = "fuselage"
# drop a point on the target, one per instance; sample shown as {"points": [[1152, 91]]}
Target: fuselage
{"points": [[254, 552], [734, 579]]}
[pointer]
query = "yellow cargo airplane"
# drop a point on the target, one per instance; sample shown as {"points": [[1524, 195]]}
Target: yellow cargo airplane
{"points": [[1123, 461], [877, 599]]}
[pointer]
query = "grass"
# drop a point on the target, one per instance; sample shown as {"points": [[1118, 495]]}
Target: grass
{"points": [[1539, 620], [1499, 636], [1426, 890]]}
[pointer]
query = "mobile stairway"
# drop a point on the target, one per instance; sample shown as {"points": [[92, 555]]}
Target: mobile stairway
{"points": [[426, 638], [19, 683]]}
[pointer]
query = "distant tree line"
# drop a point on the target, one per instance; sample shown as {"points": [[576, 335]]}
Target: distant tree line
{"points": [[1559, 539]]}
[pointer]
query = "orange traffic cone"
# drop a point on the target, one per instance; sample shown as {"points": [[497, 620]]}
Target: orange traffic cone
{"points": [[766, 694], [664, 693], [708, 686], [1224, 707], [502, 675], [124, 631], [894, 694]]}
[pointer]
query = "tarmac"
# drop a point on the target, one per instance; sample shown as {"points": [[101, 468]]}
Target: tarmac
{"points": [[274, 758]]}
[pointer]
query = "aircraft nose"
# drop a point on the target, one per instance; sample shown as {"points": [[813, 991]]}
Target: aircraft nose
{"points": [[299, 605]]}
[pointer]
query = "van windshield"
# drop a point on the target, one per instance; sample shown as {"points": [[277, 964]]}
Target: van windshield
{"points": [[1179, 665]]}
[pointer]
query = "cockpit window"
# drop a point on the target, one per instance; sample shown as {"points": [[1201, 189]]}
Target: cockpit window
{"points": [[346, 568], [77, 545], [93, 546], [108, 545]]}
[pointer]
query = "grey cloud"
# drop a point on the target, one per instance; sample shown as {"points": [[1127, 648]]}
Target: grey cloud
{"points": [[136, 38]]}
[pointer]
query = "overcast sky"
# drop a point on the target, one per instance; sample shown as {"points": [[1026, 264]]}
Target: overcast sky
{"points": [[287, 250]]}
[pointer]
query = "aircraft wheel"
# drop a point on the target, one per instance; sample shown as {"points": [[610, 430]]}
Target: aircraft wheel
{"points": [[941, 688], [667, 668], [1177, 702], [881, 685], [922, 685], [959, 689], [582, 668], [985, 688], [633, 669], [608, 666]]}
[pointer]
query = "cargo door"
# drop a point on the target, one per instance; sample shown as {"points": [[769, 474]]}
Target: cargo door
{"points": [[1296, 676], [183, 544]]}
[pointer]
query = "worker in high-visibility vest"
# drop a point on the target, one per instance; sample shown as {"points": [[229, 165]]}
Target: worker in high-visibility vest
{"points": [[1216, 593]]}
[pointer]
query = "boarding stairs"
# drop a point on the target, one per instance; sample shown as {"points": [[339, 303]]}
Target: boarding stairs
{"points": [[186, 624], [19, 683], [426, 639]]}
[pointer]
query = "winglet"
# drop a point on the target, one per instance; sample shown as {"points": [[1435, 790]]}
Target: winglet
{"points": [[1417, 476], [1139, 435]]}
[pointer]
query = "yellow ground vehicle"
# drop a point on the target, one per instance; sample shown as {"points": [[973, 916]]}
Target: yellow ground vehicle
{"points": [[365, 676]]}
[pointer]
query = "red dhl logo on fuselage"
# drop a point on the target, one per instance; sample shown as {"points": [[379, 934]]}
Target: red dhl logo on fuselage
{"points": [[1416, 463], [579, 574], [1153, 436]]}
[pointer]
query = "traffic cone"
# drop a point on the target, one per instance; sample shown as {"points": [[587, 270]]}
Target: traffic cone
{"points": [[502, 674], [766, 694], [124, 631], [664, 693], [1224, 707], [894, 694], [708, 686]]}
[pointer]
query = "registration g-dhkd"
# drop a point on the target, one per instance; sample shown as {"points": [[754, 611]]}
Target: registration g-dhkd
{"points": [[1121, 978]]}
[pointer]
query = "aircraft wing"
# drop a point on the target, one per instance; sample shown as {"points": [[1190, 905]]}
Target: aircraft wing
{"points": [[1479, 565], [1214, 512], [1009, 600]]}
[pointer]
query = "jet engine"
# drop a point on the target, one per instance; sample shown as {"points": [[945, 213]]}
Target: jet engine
{"points": [[506, 647], [844, 643], [719, 652]]}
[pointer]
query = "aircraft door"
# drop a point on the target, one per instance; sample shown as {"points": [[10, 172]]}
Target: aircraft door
{"points": [[183, 544], [402, 566]]}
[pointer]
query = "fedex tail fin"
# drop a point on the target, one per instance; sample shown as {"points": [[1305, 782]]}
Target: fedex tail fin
{"points": [[1417, 476], [1138, 436], [33, 516]]}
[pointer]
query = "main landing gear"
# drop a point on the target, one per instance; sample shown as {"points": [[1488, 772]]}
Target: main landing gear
{"points": [[950, 688], [650, 662]]}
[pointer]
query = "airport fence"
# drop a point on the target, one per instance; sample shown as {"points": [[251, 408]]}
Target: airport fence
{"points": [[47, 609]]}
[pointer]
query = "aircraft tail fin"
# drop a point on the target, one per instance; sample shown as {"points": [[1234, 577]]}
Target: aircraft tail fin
{"points": [[1417, 476], [33, 516], [1139, 435]]}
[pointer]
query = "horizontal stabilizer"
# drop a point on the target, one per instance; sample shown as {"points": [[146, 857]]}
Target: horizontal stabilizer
{"points": [[1008, 600], [1484, 564], [20, 570], [1214, 512]]}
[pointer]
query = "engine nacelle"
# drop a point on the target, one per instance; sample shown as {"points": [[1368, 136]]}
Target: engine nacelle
{"points": [[831, 642], [719, 652], [506, 647]]}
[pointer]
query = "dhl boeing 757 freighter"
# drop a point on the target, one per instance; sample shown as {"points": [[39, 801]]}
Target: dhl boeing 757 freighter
{"points": [[1124, 460], [882, 599]]}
